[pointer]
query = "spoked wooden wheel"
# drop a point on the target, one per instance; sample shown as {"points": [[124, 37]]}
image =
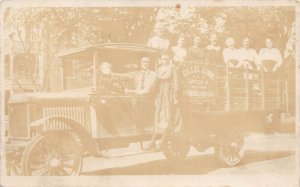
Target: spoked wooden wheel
{"points": [[230, 148], [175, 148], [55, 154]]}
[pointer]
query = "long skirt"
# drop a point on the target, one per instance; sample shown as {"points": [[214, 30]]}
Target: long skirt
{"points": [[165, 107]]}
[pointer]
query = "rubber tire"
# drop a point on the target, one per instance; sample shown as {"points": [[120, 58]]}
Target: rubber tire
{"points": [[34, 142], [175, 148], [219, 147]]}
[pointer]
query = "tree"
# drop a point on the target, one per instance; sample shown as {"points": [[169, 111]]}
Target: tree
{"points": [[55, 29], [255, 22], [62, 28]]}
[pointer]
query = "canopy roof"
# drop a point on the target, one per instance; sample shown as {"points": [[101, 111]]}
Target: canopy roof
{"points": [[88, 50]]}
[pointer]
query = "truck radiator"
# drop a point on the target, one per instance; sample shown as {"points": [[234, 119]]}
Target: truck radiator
{"points": [[74, 113]]}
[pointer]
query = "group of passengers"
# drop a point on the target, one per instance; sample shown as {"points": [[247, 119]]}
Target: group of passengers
{"points": [[268, 58], [163, 83]]}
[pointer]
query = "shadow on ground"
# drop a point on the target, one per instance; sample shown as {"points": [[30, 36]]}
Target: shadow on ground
{"points": [[192, 165]]}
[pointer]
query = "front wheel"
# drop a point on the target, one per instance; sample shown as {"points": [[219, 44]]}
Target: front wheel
{"points": [[53, 154], [230, 147], [175, 148]]}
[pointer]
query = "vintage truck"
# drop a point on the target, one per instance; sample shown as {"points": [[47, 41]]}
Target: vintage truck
{"points": [[50, 133]]}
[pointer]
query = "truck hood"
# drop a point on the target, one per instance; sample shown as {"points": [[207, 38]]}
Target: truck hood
{"points": [[29, 97]]}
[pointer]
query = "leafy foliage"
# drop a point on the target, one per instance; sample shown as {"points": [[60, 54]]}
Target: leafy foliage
{"points": [[57, 28], [257, 23]]}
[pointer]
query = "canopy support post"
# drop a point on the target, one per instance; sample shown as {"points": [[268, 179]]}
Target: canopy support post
{"points": [[94, 86]]}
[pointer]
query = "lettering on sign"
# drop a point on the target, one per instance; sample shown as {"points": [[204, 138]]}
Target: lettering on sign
{"points": [[198, 82]]}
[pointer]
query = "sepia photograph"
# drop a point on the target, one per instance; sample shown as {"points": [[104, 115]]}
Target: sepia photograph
{"points": [[149, 90]]}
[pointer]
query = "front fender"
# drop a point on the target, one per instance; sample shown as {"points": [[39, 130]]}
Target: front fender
{"points": [[63, 124]]}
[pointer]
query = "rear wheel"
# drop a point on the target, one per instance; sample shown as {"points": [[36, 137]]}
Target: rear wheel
{"points": [[54, 154], [230, 147], [175, 148]]}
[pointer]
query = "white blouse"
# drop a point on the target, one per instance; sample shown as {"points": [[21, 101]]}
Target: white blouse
{"points": [[158, 43], [270, 54], [248, 55], [179, 54], [230, 54]]}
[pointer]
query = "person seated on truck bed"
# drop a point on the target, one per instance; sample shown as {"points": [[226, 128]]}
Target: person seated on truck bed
{"points": [[159, 40], [248, 56], [270, 57], [196, 53], [230, 56], [214, 52], [179, 51]]}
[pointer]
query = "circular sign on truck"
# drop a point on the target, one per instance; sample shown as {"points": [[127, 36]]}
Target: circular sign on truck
{"points": [[198, 82]]}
